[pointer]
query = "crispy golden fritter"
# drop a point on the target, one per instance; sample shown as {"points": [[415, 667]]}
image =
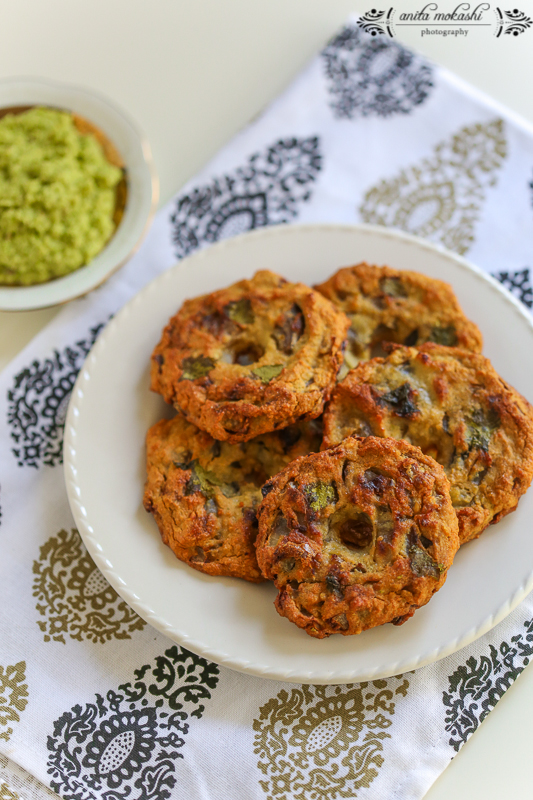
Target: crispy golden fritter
{"points": [[251, 358], [356, 536], [394, 305], [456, 408], [204, 493]]}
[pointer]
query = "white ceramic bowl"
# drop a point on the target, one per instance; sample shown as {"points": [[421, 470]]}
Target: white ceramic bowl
{"points": [[142, 189]]}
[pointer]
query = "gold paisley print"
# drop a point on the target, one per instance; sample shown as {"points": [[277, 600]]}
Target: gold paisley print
{"points": [[74, 597], [441, 197], [325, 742], [6, 793], [13, 696]]}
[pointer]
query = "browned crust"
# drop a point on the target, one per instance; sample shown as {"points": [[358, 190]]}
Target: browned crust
{"points": [[230, 401], [398, 306], [327, 586], [476, 425], [203, 494]]}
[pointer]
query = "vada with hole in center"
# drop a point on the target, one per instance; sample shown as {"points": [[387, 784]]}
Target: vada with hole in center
{"points": [[356, 536]]}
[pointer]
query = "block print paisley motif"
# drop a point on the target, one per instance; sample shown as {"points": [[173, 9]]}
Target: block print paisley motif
{"points": [[367, 76], [266, 190], [7, 794], [519, 283], [441, 197], [73, 597], [126, 745], [38, 404], [476, 687], [325, 742], [13, 696]]}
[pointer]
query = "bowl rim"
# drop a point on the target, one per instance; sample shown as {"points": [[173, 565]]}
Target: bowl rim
{"points": [[31, 298]]}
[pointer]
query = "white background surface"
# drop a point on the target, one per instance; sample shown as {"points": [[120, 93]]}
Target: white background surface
{"points": [[192, 72]]}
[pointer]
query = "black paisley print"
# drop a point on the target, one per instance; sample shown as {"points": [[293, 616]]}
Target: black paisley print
{"points": [[266, 190], [38, 403], [476, 687], [127, 745], [519, 283], [373, 77]]}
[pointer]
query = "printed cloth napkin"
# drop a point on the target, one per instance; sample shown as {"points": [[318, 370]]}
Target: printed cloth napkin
{"points": [[96, 704]]}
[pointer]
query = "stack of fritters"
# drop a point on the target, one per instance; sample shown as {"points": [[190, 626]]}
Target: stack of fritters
{"points": [[204, 494], [454, 406], [422, 448], [248, 368]]}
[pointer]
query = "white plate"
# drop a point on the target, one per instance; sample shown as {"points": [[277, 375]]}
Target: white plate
{"points": [[227, 620], [141, 178]]}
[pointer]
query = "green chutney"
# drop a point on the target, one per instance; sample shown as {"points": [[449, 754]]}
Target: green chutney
{"points": [[57, 196]]}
